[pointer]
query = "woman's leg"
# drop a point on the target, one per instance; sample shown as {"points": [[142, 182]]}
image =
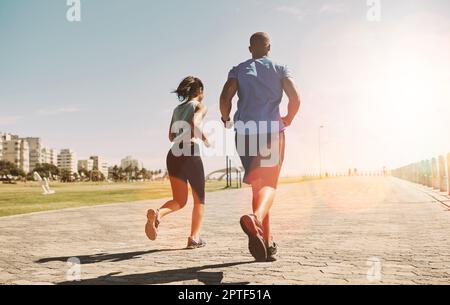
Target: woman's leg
{"points": [[197, 219], [180, 195], [179, 187], [197, 182]]}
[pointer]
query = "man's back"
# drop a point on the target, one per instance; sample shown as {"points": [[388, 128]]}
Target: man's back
{"points": [[260, 83], [260, 90]]}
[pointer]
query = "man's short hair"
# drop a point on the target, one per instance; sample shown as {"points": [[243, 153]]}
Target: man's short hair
{"points": [[260, 39]]}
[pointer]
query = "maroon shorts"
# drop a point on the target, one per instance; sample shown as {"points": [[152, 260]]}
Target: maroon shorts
{"points": [[262, 157]]}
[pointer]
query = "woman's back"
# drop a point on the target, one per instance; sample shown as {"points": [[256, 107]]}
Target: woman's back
{"points": [[183, 114], [185, 111]]}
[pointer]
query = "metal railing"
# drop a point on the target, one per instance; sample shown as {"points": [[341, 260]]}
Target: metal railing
{"points": [[229, 174]]}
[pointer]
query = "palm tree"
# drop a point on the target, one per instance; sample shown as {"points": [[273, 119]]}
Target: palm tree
{"points": [[84, 173], [97, 176], [46, 170], [115, 173], [129, 172], [66, 176]]}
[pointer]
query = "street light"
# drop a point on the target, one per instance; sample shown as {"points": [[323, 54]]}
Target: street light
{"points": [[320, 150]]}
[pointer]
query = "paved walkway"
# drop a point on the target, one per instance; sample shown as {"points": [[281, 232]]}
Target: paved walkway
{"points": [[358, 230]]}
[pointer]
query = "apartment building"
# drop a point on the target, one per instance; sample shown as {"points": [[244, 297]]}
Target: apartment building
{"points": [[87, 165], [16, 151], [49, 156], [35, 146], [3, 137], [67, 160], [26, 153], [40, 154], [129, 161], [100, 164]]}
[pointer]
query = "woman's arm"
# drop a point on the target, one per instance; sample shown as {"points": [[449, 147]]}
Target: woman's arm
{"points": [[199, 115], [172, 135]]}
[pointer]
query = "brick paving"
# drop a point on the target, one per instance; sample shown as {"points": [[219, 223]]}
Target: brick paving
{"points": [[357, 230]]}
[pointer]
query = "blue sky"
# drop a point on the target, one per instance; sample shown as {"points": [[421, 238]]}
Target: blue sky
{"points": [[102, 86]]}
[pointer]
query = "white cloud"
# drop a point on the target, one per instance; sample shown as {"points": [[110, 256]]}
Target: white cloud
{"points": [[301, 13], [56, 111], [9, 120], [292, 10], [334, 8]]}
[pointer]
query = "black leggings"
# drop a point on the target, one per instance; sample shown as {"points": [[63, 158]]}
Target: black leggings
{"points": [[188, 169]]}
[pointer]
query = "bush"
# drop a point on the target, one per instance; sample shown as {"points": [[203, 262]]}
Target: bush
{"points": [[10, 169]]}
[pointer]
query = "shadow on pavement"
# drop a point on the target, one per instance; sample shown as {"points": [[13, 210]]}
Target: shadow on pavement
{"points": [[164, 276], [104, 257]]}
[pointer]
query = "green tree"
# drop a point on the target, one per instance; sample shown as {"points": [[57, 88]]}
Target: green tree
{"points": [[122, 174], [84, 173], [115, 173], [8, 168], [65, 175], [145, 174], [45, 170], [129, 171], [97, 176], [75, 176]]}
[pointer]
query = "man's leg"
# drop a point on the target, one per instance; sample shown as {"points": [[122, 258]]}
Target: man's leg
{"points": [[264, 180], [262, 202], [266, 191], [266, 225], [263, 198], [255, 191], [253, 224], [266, 195]]}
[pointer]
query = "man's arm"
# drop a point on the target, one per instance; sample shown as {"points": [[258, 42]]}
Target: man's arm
{"points": [[294, 100], [226, 98]]}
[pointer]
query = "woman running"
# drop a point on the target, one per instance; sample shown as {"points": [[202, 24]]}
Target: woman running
{"points": [[184, 163]]}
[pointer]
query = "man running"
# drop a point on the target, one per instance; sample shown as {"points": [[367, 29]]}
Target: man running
{"points": [[259, 83]]}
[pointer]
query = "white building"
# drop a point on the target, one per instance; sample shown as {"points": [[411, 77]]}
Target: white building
{"points": [[3, 138], [129, 161], [49, 156], [40, 154], [35, 147], [67, 160], [87, 165], [101, 165], [16, 151]]}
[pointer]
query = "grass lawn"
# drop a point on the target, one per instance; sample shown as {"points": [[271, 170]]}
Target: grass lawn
{"points": [[27, 198]]}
